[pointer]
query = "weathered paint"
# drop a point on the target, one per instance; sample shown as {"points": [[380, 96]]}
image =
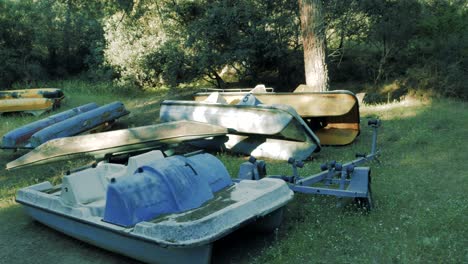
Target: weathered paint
{"points": [[32, 93], [332, 115], [185, 237], [20, 137], [79, 123], [34, 106], [118, 141], [33, 101], [271, 131]]}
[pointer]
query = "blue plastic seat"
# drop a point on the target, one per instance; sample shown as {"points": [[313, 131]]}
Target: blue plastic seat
{"points": [[171, 185]]}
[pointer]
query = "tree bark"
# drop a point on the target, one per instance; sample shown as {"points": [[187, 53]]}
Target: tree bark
{"points": [[313, 40]]}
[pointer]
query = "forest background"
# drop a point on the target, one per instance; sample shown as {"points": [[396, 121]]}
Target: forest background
{"points": [[410, 45]]}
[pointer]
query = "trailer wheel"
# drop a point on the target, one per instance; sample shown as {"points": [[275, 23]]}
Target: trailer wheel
{"points": [[366, 203]]}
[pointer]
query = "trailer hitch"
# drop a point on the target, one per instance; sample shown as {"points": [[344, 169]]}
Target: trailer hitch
{"points": [[343, 180]]}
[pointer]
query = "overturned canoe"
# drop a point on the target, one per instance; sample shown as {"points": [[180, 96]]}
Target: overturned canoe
{"points": [[333, 115], [80, 123], [117, 142], [255, 129], [19, 138], [175, 208], [32, 101]]}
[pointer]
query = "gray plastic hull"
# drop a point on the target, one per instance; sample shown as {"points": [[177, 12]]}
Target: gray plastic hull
{"points": [[185, 237], [269, 131], [119, 242], [332, 115]]}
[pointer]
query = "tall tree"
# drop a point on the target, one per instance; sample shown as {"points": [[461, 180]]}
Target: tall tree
{"points": [[313, 39]]}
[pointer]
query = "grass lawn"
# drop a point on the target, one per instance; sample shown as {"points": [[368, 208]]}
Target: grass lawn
{"points": [[420, 189]]}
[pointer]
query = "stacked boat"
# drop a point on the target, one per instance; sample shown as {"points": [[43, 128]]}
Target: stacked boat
{"points": [[123, 142], [83, 119], [32, 101], [333, 115]]}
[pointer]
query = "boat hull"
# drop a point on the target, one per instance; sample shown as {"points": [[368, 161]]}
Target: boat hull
{"points": [[269, 131], [117, 142], [54, 93], [34, 106], [333, 115], [264, 120], [307, 104], [80, 123], [140, 249], [32, 101], [260, 146], [87, 206], [19, 137]]}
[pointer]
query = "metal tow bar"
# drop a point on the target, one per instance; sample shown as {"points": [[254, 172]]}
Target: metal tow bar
{"points": [[346, 180]]}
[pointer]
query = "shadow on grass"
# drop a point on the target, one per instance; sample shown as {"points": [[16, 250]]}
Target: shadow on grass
{"points": [[242, 245]]}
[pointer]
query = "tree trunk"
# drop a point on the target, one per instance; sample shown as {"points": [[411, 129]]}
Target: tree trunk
{"points": [[313, 40], [219, 81]]}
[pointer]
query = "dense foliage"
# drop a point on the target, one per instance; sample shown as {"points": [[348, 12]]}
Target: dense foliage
{"points": [[416, 43], [48, 39]]}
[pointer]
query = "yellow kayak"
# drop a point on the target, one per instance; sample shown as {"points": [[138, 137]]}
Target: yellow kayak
{"points": [[53, 93], [35, 106], [33, 101]]}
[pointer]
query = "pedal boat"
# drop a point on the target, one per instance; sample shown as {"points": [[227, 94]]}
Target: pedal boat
{"points": [[333, 115], [257, 129], [156, 209], [32, 101]]}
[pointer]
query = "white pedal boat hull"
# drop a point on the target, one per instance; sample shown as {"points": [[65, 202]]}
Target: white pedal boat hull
{"points": [[183, 237]]}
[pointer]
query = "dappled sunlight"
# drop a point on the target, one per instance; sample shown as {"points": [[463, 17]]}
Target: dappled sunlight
{"points": [[145, 103], [406, 108], [389, 88], [7, 202]]}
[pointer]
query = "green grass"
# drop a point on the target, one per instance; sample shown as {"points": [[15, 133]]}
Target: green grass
{"points": [[420, 189]]}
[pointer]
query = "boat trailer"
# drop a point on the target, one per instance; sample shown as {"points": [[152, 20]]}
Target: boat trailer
{"points": [[343, 180]]}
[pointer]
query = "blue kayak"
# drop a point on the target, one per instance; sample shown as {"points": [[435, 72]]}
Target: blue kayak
{"points": [[19, 138], [80, 123]]}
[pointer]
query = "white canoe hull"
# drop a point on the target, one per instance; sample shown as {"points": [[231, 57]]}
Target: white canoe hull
{"points": [[268, 131], [332, 115], [114, 142]]}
